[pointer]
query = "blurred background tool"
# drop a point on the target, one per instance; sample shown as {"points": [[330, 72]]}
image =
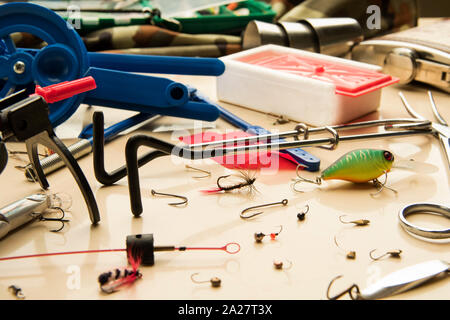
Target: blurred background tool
{"points": [[65, 58], [332, 36], [418, 54]]}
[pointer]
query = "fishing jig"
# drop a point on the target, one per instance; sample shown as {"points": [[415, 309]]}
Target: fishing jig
{"points": [[357, 166], [396, 282], [259, 236], [215, 281], [350, 254], [393, 254], [33, 207], [359, 222], [139, 247], [283, 202], [185, 200], [301, 215], [278, 264], [16, 291], [111, 280], [245, 181], [207, 173]]}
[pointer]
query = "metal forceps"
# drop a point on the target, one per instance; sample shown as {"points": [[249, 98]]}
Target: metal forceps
{"points": [[424, 208], [392, 127], [441, 129]]}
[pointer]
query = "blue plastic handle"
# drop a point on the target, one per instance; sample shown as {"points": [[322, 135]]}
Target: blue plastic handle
{"points": [[157, 64], [66, 58]]}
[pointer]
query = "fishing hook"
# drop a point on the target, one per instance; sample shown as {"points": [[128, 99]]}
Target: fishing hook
{"points": [[208, 173], [359, 223], [278, 264], [393, 254], [185, 200], [61, 219], [220, 178], [215, 281], [282, 202], [301, 215], [349, 290], [350, 254]]}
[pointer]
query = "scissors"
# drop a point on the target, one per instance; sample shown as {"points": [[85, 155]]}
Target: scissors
{"points": [[441, 129], [428, 208]]}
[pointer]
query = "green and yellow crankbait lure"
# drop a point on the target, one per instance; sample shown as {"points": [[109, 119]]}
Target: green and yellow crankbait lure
{"points": [[358, 166]]}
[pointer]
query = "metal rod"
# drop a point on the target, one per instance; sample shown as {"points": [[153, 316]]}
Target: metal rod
{"points": [[414, 123], [310, 143]]}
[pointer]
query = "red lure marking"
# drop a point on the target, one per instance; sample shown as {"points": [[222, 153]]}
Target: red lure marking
{"points": [[135, 262], [215, 190], [245, 161]]}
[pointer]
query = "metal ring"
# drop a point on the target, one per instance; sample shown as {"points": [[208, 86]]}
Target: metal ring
{"points": [[424, 208]]}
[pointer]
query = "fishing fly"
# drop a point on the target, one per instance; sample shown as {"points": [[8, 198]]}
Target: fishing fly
{"points": [[357, 166], [242, 181], [110, 281]]}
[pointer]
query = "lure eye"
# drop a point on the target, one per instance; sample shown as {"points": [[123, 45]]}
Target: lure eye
{"points": [[388, 156]]}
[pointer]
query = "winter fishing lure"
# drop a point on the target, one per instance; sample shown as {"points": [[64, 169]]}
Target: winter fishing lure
{"points": [[245, 180], [357, 166], [110, 281]]}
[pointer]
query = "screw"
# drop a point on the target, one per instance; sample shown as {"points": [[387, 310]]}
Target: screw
{"points": [[19, 67]]}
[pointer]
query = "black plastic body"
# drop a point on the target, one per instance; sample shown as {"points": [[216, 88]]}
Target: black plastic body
{"points": [[141, 247], [133, 162], [25, 118]]}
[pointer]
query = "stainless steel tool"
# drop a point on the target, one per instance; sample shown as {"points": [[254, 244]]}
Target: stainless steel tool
{"points": [[405, 279], [428, 208], [332, 36], [397, 282], [420, 54]]}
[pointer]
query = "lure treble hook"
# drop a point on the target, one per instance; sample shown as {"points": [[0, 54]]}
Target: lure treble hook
{"points": [[61, 219], [283, 202], [381, 185]]}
